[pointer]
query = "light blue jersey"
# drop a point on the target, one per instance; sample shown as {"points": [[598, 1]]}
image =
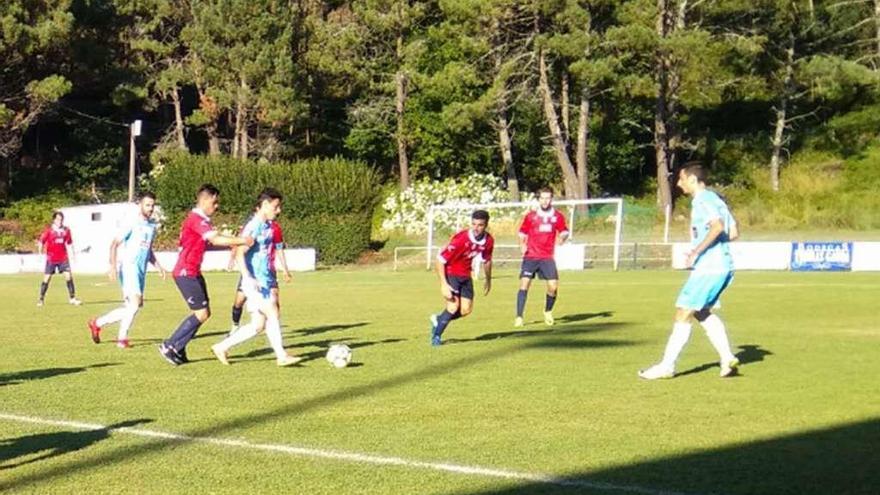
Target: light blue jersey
{"points": [[705, 207], [257, 258], [137, 245]]}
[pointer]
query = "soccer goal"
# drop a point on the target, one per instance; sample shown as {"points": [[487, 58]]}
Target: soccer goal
{"points": [[596, 224]]}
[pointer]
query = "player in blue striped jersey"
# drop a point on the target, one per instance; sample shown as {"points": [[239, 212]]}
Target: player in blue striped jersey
{"points": [[712, 228], [257, 281], [136, 241]]}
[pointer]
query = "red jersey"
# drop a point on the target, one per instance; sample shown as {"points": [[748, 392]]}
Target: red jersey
{"points": [[541, 228], [55, 242], [194, 233], [277, 242], [461, 250]]}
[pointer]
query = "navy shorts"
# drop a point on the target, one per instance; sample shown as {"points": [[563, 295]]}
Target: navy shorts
{"points": [[545, 269], [51, 268], [462, 287], [194, 291]]}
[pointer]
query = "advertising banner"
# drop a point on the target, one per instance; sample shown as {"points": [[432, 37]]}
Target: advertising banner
{"points": [[821, 256]]}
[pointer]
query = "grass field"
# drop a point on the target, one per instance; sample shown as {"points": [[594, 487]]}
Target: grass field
{"points": [[493, 411]]}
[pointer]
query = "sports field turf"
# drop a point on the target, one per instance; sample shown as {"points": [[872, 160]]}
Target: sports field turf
{"points": [[493, 411]]}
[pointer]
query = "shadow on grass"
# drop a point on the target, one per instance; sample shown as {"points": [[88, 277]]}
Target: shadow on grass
{"points": [[39, 374], [749, 353], [15, 452], [328, 328], [558, 330], [842, 460], [116, 301], [127, 453], [323, 344]]}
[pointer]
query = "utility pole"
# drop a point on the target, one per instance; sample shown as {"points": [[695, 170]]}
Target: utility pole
{"points": [[135, 129]]}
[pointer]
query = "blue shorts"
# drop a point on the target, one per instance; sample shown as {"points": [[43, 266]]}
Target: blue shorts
{"points": [[702, 290], [462, 287], [545, 269], [52, 268], [193, 290], [132, 281]]}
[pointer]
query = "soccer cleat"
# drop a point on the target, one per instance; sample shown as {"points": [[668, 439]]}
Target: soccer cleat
{"points": [[548, 318], [181, 355], [729, 367], [657, 371], [436, 341], [39, 303], [123, 344], [95, 331], [518, 322], [289, 360], [221, 355], [74, 301], [434, 336], [169, 355]]}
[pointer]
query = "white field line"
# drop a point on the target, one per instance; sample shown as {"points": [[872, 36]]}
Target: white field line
{"points": [[356, 457]]}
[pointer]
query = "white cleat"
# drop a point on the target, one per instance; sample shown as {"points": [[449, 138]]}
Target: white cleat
{"points": [[74, 301], [288, 360], [548, 318], [39, 303], [657, 372], [729, 367], [518, 322], [221, 355]]}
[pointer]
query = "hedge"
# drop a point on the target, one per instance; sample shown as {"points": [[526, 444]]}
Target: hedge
{"points": [[328, 203]]}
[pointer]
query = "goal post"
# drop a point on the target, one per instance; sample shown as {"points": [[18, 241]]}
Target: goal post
{"points": [[519, 209]]}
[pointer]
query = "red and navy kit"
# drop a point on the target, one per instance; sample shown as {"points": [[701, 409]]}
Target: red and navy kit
{"points": [[458, 255], [540, 228], [194, 234], [277, 242], [55, 241]]}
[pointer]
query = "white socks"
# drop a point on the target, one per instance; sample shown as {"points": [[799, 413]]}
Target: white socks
{"points": [[245, 332], [125, 317], [273, 333], [718, 336], [112, 317], [681, 332]]}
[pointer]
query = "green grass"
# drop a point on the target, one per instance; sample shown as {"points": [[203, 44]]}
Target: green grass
{"points": [[804, 416]]}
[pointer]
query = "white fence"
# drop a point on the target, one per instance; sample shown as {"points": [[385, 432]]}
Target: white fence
{"points": [[299, 260]]}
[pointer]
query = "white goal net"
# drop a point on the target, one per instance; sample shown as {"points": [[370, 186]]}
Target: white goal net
{"points": [[596, 227]]}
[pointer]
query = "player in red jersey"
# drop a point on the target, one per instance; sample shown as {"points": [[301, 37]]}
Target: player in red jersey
{"points": [[196, 233], [56, 241], [277, 251], [539, 233], [454, 271]]}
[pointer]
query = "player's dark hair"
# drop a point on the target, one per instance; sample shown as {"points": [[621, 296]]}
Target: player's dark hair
{"points": [[480, 215], [207, 190], [696, 169], [545, 189], [268, 194], [146, 194], [56, 214]]}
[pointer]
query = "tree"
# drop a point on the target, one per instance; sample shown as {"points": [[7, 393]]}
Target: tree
{"points": [[32, 36]]}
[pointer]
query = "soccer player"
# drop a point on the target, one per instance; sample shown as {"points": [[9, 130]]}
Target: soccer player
{"points": [[712, 227], [453, 268], [257, 281], [539, 233], [276, 252], [136, 241], [196, 233], [55, 241]]}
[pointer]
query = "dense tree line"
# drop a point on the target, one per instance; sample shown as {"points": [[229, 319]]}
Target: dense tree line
{"points": [[595, 96]]}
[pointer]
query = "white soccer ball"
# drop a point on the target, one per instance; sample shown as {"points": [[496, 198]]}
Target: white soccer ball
{"points": [[339, 355]]}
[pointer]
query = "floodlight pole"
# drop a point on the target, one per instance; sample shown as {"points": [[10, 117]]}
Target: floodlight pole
{"points": [[135, 131]]}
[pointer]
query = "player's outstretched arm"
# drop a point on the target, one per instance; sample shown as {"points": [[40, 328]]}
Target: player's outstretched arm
{"points": [[487, 272], [229, 241]]}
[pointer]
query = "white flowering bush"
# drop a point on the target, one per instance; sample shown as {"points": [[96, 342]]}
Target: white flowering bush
{"points": [[407, 210]]}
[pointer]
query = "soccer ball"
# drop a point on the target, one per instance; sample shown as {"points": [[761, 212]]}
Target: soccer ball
{"points": [[339, 355]]}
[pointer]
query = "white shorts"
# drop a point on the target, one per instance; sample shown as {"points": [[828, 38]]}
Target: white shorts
{"points": [[257, 297], [132, 281]]}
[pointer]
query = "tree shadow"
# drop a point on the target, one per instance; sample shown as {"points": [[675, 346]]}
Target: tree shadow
{"points": [[21, 451], [749, 353], [843, 459], [39, 374], [322, 351], [544, 332]]}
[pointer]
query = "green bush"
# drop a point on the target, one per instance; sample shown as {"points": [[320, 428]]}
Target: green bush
{"points": [[328, 203], [34, 214], [8, 243]]}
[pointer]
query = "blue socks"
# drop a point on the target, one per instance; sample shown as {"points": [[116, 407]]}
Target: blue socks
{"points": [[236, 315], [549, 302], [184, 333], [70, 289], [521, 302], [443, 320]]}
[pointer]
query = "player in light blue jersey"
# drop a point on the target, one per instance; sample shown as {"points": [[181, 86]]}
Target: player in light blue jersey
{"points": [[257, 280], [712, 228], [136, 241]]}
